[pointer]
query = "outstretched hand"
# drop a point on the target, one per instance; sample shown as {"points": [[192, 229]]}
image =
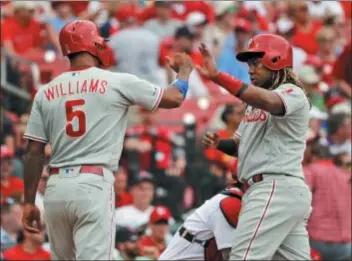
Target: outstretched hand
{"points": [[208, 70], [180, 61]]}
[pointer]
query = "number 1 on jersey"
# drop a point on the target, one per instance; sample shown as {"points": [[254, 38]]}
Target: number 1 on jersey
{"points": [[71, 114]]}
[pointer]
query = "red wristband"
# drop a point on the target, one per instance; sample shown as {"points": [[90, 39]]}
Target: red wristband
{"points": [[230, 83]]}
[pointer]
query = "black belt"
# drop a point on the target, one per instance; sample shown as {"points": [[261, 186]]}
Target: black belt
{"points": [[191, 238]]}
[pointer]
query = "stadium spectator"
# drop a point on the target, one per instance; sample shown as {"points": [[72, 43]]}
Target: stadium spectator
{"points": [[11, 224], [21, 32], [322, 9], [312, 145], [10, 185], [153, 245], [342, 71], [138, 59], [126, 244], [339, 134], [326, 39], [286, 28], [184, 42], [317, 119], [305, 28], [156, 145], [343, 161], [136, 216], [310, 80], [64, 15], [123, 198], [329, 225], [198, 22], [163, 25], [180, 10], [227, 60], [29, 247], [216, 34]]}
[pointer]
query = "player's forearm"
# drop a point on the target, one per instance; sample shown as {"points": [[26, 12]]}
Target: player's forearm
{"points": [[229, 147], [33, 166], [250, 94], [176, 93]]}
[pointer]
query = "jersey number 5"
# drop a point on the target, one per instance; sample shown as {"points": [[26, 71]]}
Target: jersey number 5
{"points": [[71, 114]]}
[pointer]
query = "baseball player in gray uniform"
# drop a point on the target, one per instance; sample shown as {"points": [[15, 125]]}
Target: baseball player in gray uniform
{"points": [[82, 113], [269, 143]]}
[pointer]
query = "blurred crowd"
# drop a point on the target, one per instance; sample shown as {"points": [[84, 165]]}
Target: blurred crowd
{"points": [[164, 174]]}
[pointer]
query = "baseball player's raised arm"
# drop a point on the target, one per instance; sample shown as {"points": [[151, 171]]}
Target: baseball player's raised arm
{"points": [[283, 101], [150, 96], [135, 91], [255, 96]]}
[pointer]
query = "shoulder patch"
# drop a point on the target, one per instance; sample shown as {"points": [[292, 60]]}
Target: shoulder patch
{"points": [[231, 208]]}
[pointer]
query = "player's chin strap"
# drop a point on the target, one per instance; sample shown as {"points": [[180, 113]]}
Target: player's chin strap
{"points": [[191, 238]]}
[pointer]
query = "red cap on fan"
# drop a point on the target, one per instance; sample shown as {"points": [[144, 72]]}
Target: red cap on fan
{"points": [[126, 14], [242, 24], [160, 213], [6, 152]]}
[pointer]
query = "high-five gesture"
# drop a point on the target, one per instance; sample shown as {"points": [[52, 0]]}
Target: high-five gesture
{"points": [[180, 61], [208, 69]]}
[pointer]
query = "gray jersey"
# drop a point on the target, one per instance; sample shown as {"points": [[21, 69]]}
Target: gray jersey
{"points": [[136, 51], [274, 144], [83, 115]]}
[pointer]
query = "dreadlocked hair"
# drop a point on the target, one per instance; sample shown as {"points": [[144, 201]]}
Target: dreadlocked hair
{"points": [[286, 75]]}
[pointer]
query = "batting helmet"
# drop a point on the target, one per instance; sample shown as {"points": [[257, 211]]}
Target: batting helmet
{"points": [[83, 36], [276, 52]]}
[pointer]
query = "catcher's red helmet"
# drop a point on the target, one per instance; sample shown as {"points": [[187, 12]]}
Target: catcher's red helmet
{"points": [[276, 52], [83, 36]]}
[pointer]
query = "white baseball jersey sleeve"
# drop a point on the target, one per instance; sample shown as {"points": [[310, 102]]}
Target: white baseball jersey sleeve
{"points": [[83, 115], [272, 144]]}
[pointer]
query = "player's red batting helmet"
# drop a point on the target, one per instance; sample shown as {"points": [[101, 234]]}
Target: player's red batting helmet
{"points": [[83, 36], [276, 52]]}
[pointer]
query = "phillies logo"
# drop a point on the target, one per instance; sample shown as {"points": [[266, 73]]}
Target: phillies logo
{"points": [[255, 115]]}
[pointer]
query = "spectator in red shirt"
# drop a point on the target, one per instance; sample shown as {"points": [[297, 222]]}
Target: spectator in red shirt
{"points": [[29, 247], [123, 198], [149, 138], [326, 39], [10, 185], [21, 32], [152, 246], [11, 223], [305, 28], [342, 71], [329, 225], [184, 40]]}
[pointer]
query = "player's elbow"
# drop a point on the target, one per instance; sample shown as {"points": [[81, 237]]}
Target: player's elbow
{"points": [[172, 98], [35, 148]]}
